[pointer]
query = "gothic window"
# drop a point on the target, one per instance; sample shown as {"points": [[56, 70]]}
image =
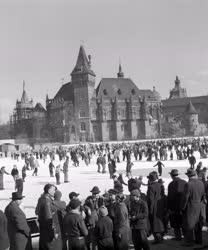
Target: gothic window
{"points": [[73, 129], [82, 114], [82, 126], [133, 91], [119, 92], [105, 92]]}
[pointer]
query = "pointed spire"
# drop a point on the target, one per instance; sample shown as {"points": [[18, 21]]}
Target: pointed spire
{"points": [[177, 81], [190, 109], [24, 98], [120, 72], [83, 65]]}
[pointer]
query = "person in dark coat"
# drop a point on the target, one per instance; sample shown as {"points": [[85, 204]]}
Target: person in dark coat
{"points": [[138, 215], [66, 170], [19, 184], [50, 232], [104, 230], [61, 212], [92, 204], [121, 223], [159, 165], [192, 161], [193, 208], [14, 172], [74, 227], [2, 172], [18, 229], [156, 207], [4, 239], [175, 193], [24, 169], [51, 168]]}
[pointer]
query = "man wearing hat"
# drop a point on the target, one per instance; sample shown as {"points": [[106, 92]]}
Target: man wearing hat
{"points": [[175, 193], [193, 208], [18, 229], [156, 207], [121, 223], [50, 232], [138, 221], [92, 204]]}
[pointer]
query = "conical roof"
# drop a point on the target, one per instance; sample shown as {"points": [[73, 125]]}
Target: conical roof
{"points": [[190, 109], [82, 64], [39, 107], [24, 98], [120, 72]]}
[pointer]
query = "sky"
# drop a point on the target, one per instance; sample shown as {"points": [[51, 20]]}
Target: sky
{"points": [[155, 40]]}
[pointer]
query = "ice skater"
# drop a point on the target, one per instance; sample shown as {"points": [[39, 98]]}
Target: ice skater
{"points": [[159, 165]]}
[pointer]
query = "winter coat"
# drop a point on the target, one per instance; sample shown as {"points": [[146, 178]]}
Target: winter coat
{"points": [[49, 223], [175, 194], [4, 239], [103, 233], [156, 207], [138, 214], [192, 204], [18, 229]]}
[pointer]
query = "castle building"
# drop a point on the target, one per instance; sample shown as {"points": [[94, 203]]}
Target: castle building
{"points": [[28, 123], [115, 110], [189, 113]]}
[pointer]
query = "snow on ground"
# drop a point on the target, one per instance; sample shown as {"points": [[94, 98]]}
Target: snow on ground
{"points": [[82, 179]]}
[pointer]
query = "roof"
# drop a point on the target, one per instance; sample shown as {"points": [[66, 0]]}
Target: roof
{"points": [[190, 109], [24, 98], [121, 88], [177, 102], [82, 64], [39, 108], [65, 92]]}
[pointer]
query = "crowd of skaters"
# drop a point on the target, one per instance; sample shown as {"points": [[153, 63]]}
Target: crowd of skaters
{"points": [[110, 220]]}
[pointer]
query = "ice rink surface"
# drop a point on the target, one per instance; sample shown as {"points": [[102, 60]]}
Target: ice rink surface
{"points": [[81, 179]]}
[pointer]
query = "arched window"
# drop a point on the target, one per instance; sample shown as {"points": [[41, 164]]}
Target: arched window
{"points": [[73, 129], [82, 126]]}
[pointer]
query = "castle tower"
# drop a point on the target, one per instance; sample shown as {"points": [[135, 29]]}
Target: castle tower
{"points": [[178, 91], [83, 82], [120, 73], [192, 121]]}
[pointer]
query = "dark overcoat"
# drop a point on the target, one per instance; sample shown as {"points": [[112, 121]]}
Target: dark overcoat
{"points": [[49, 224], [4, 239], [18, 229], [156, 207], [175, 194], [121, 226], [103, 233], [192, 204]]}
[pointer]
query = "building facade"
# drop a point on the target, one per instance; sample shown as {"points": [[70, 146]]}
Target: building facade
{"points": [[114, 110], [188, 114]]}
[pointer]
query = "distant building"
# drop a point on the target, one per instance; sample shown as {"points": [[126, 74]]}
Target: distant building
{"points": [[116, 110], [177, 91], [28, 123], [189, 113]]}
